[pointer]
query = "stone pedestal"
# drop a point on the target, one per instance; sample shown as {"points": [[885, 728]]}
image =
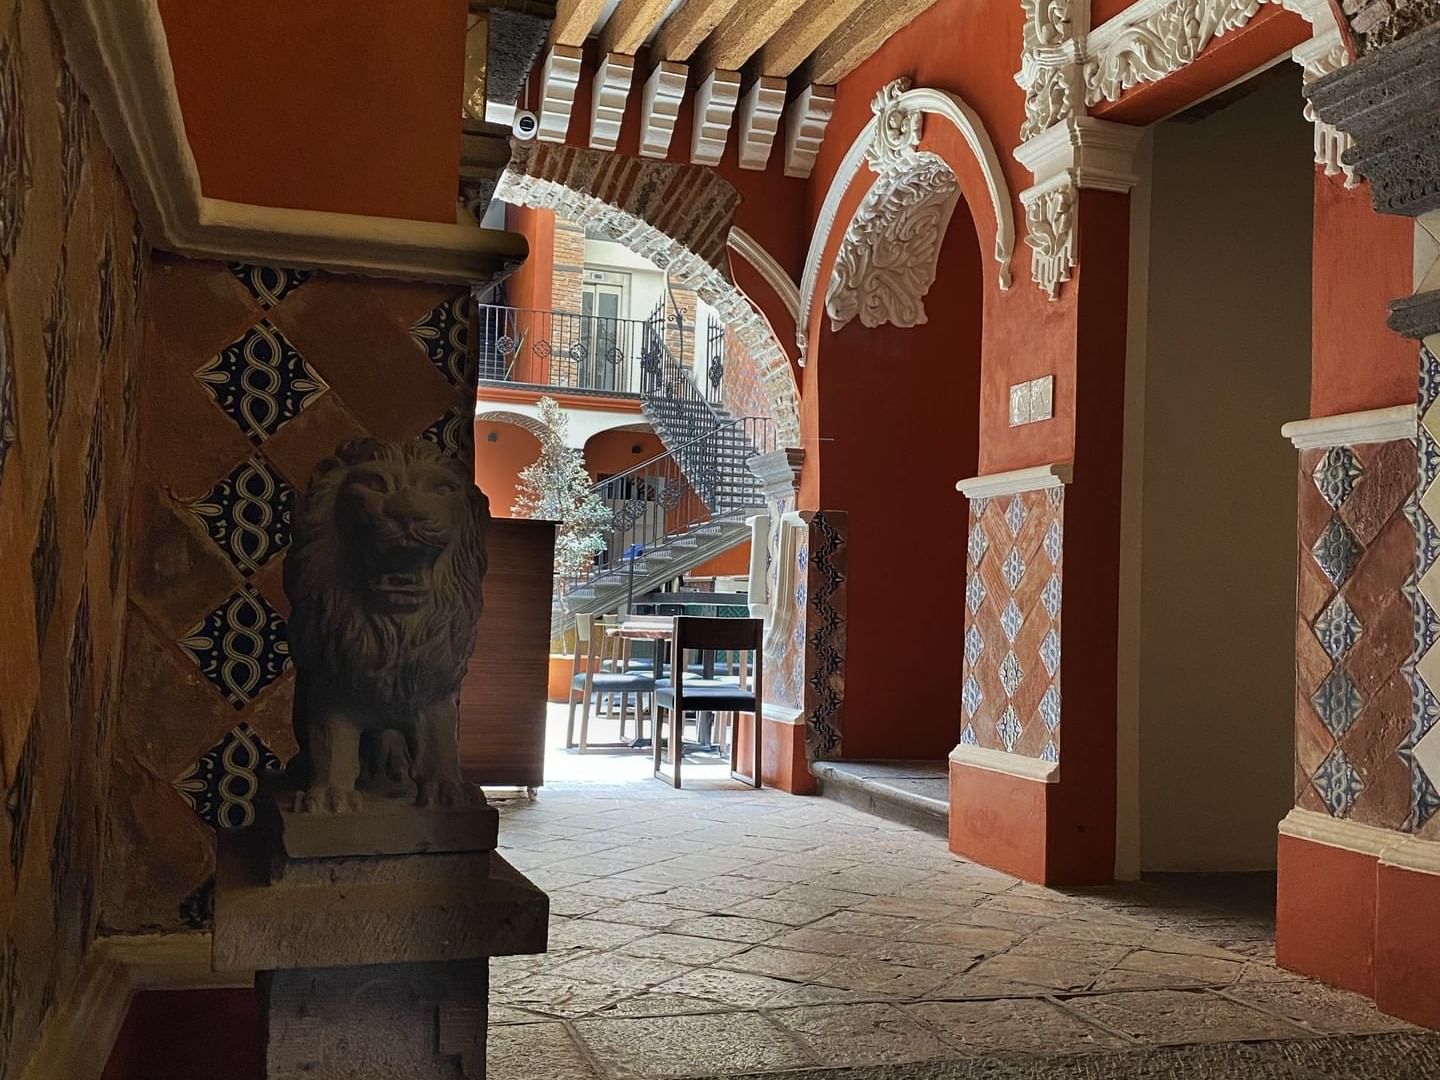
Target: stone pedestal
{"points": [[371, 960]]}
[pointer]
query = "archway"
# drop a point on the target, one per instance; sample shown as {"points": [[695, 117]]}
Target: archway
{"points": [[503, 447]]}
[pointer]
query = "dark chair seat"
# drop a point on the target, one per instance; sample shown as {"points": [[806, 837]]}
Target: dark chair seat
{"points": [[720, 667], [719, 695], [612, 682]]}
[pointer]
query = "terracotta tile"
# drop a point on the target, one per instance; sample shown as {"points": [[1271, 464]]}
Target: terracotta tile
{"points": [[1389, 477], [1313, 741], [196, 307], [1314, 590], [177, 574], [310, 438], [1385, 644], [1313, 511], [1382, 571], [1309, 799], [1312, 662], [407, 302]]}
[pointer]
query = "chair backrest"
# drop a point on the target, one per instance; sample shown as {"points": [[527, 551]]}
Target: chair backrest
{"points": [[708, 632], [583, 623]]}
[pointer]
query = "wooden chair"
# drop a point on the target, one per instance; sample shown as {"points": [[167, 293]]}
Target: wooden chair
{"points": [[592, 681], [688, 693]]}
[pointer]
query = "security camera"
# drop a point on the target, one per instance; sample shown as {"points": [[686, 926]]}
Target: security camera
{"points": [[525, 125]]}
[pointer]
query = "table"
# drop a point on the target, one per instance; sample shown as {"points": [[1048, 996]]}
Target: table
{"points": [[661, 633]]}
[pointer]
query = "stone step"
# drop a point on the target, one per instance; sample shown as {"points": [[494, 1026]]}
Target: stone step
{"points": [[915, 793]]}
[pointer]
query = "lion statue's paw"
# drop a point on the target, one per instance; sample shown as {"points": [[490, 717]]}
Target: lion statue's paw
{"points": [[326, 800], [448, 794]]}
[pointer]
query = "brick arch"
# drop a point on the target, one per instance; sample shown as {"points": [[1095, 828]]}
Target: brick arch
{"points": [[677, 216], [515, 419]]}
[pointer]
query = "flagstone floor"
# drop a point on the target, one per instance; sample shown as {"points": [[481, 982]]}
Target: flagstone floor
{"points": [[718, 931]]}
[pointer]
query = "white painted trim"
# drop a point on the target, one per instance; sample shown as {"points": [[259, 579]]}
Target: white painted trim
{"points": [[754, 253], [559, 79], [1419, 856], [935, 103], [783, 714], [998, 761], [806, 119], [609, 92], [1333, 832], [1351, 429], [659, 107], [118, 51], [1037, 478], [715, 102], [760, 121]]}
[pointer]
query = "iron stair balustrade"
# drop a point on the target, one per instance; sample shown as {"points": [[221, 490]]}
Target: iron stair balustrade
{"points": [[660, 519], [577, 353]]}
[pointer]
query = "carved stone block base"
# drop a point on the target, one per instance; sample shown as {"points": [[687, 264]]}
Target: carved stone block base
{"points": [[381, 826], [396, 1021]]}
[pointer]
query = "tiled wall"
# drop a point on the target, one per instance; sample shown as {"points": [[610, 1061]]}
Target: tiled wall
{"points": [[252, 375], [1011, 692], [1355, 632], [70, 268], [1422, 742]]}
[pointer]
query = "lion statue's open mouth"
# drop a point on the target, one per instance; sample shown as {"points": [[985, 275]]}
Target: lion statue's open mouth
{"points": [[384, 578]]}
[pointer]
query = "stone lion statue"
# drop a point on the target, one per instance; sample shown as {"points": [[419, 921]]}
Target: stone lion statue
{"points": [[384, 577]]}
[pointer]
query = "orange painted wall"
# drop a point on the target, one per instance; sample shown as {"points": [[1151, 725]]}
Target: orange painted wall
{"points": [[1362, 261], [612, 452], [498, 463], [324, 105], [732, 563], [530, 286], [896, 424]]}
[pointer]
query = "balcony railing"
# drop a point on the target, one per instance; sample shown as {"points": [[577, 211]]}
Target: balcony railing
{"points": [[587, 354]]}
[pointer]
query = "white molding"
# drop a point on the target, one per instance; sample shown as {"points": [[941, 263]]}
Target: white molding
{"points": [[783, 612], [715, 102], [1352, 429], [806, 119], [1051, 56], [118, 51], [1400, 850], [80, 1033], [760, 120], [660, 106], [923, 100], [1079, 153], [750, 249], [1038, 478], [783, 714], [559, 79], [999, 761], [1323, 54], [611, 89]]}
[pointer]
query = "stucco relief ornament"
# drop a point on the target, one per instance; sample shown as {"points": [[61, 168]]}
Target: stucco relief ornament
{"points": [[1050, 232], [887, 258], [1047, 65]]}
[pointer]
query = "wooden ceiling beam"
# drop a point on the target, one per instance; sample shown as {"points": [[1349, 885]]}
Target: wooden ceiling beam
{"points": [[802, 34], [691, 24], [855, 42], [574, 19], [739, 36], [631, 25]]}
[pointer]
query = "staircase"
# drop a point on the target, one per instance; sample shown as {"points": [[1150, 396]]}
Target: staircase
{"points": [[681, 508]]}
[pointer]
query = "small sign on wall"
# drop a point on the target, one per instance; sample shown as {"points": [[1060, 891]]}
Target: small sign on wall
{"points": [[1032, 400]]}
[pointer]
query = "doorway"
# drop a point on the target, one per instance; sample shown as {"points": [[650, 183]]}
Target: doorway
{"points": [[1219, 359]]}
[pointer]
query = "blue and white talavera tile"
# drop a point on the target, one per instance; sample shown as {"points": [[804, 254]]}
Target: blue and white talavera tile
{"points": [[269, 284], [444, 336], [261, 381], [1338, 783], [247, 514], [240, 646], [222, 785]]}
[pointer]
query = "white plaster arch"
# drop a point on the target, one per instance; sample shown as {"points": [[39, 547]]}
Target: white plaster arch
{"points": [[774, 275], [584, 424], [899, 111]]}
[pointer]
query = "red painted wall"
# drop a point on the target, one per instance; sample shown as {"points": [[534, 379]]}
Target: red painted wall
{"points": [[612, 452], [1362, 261], [498, 463], [184, 1034], [325, 105], [530, 286], [896, 424]]}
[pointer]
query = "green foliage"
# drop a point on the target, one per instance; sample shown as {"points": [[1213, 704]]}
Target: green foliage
{"points": [[556, 487]]}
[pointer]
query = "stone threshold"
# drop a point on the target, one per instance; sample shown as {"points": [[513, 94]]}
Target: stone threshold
{"points": [[914, 793]]}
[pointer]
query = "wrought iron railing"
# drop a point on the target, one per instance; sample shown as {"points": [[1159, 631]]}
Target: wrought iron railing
{"points": [[583, 353], [714, 359]]}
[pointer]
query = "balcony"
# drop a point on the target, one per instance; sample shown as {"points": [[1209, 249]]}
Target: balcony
{"points": [[580, 354]]}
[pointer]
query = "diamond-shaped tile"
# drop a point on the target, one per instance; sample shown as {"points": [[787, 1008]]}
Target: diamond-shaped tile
{"points": [[1336, 551], [14, 148], [971, 695], [1424, 799], [977, 507], [1013, 569], [1338, 628], [240, 646], [261, 381], [45, 564], [974, 593], [105, 296], [454, 432], [1050, 752], [1429, 457], [94, 466], [1338, 783], [444, 336], [1429, 379], [979, 544], [269, 284], [1050, 652], [1426, 755], [7, 390], [974, 645], [1051, 596], [1015, 514], [221, 786], [1424, 709], [1427, 535], [1008, 727], [1050, 708], [967, 737], [1010, 674], [1336, 475], [1053, 545], [248, 515], [1011, 620], [1338, 702]]}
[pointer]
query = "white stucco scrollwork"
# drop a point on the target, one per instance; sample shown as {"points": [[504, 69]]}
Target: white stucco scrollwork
{"points": [[1050, 233]]}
